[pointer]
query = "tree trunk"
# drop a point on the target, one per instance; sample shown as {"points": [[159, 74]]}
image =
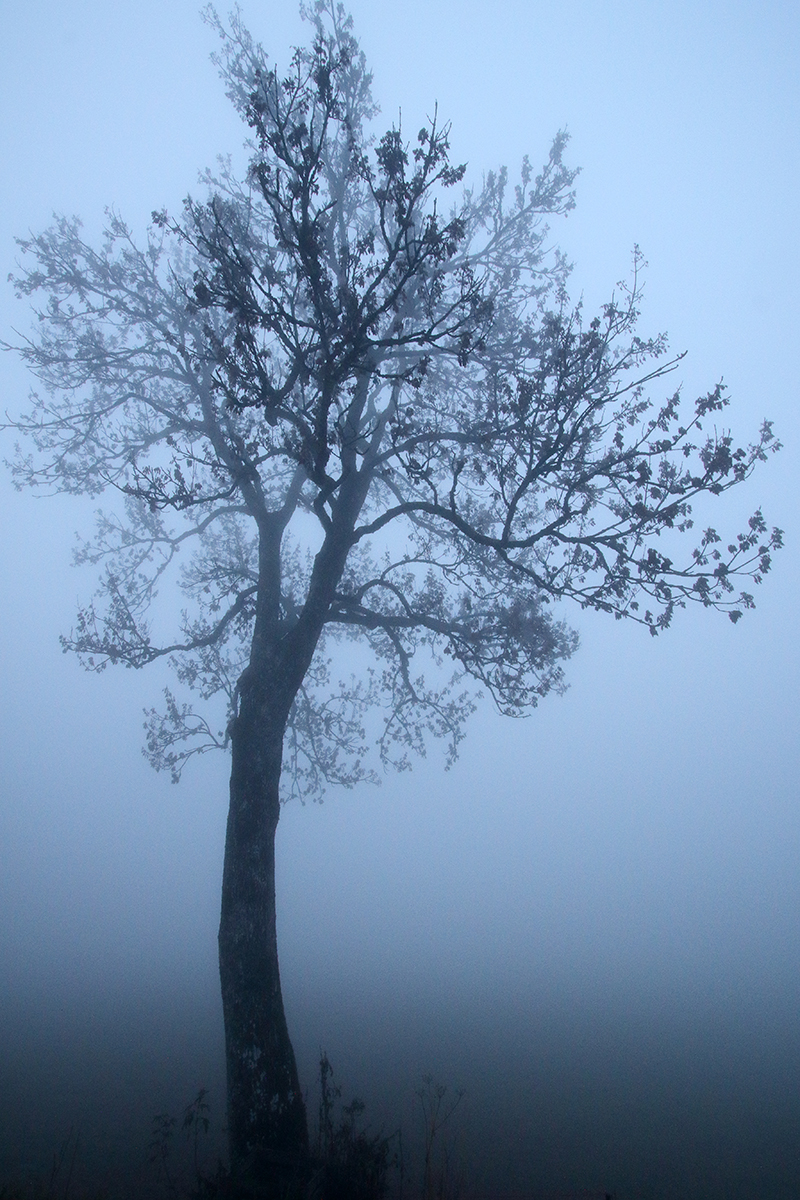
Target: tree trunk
{"points": [[267, 1127]]}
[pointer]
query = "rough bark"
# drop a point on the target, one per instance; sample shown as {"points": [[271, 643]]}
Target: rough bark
{"points": [[267, 1127], [267, 1124]]}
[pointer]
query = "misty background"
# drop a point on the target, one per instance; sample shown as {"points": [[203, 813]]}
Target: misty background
{"points": [[591, 921]]}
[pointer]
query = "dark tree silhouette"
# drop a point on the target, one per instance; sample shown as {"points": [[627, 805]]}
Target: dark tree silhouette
{"points": [[345, 398]]}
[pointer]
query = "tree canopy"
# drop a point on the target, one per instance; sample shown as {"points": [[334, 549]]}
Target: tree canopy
{"points": [[335, 334]]}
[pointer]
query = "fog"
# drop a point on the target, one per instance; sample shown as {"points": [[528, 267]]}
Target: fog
{"points": [[590, 921]]}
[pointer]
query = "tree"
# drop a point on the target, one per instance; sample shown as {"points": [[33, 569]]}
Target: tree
{"points": [[340, 399]]}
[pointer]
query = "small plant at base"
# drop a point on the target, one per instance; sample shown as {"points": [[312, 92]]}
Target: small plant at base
{"points": [[354, 1165], [195, 1118], [436, 1112], [161, 1147]]}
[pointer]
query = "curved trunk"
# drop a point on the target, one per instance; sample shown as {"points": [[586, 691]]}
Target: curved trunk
{"points": [[267, 1128]]}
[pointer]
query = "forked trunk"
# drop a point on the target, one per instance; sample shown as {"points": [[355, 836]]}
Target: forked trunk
{"points": [[267, 1127]]}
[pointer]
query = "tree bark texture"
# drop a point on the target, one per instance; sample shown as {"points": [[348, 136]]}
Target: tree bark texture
{"points": [[267, 1127]]}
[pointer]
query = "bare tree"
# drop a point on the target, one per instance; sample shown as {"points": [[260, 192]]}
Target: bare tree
{"points": [[345, 398]]}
